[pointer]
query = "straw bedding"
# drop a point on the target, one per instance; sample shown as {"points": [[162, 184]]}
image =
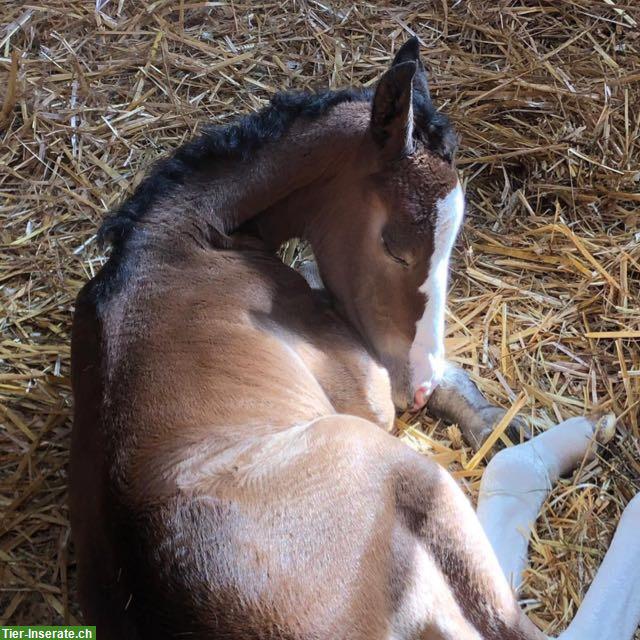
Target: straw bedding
{"points": [[544, 298]]}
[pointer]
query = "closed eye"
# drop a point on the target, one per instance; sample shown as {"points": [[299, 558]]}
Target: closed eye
{"points": [[393, 256]]}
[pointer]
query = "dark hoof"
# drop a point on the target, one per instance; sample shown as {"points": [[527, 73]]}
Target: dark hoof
{"points": [[487, 419]]}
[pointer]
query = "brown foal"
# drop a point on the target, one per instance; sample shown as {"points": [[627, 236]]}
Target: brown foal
{"points": [[232, 476]]}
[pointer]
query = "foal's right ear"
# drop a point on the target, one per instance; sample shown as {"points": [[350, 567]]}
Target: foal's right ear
{"points": [[392, 111]]}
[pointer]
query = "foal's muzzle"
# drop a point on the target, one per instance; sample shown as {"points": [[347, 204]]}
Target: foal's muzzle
{"points": [[421, 396]]}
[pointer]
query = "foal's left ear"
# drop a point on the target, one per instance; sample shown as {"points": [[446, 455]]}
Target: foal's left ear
{"points": [[433, 127], [410, 52], [392, 111]]}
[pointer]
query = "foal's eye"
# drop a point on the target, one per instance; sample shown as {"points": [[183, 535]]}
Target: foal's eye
{"points": [[394, 256]]}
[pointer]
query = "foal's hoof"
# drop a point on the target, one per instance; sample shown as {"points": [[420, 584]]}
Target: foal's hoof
{"points": [[604, 426], [487, 418], [518, 430]]}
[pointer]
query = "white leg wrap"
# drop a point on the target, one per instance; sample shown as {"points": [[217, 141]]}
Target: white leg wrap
{"points": [[611, 608], [518, 479]]}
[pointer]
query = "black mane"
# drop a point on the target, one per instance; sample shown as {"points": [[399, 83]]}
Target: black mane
{"points": [[236, 140]]}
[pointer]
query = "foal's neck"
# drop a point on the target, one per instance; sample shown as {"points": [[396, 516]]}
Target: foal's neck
{"points": [[282, 178]]}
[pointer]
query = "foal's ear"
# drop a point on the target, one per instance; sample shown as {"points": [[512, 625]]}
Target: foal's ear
{"points": [[410, 52], [392, 111], [433, 127]]}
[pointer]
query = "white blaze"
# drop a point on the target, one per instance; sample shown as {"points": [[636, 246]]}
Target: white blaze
{"points": [[426, 357]]}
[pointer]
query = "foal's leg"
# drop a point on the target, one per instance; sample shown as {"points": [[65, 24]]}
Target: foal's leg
{"points": [[457, 399], [611, 608], [518, 479]]}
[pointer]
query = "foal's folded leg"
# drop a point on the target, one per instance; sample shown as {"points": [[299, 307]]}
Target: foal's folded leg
{"points": [[457, 399], [308, 269], [518, 479], [611, 608]]}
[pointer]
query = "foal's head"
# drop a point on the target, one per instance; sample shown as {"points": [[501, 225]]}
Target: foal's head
{"points": [[385, 257]]}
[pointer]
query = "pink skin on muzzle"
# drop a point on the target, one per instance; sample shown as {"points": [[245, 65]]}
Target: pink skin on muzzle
{"points": [[421, 396]]}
